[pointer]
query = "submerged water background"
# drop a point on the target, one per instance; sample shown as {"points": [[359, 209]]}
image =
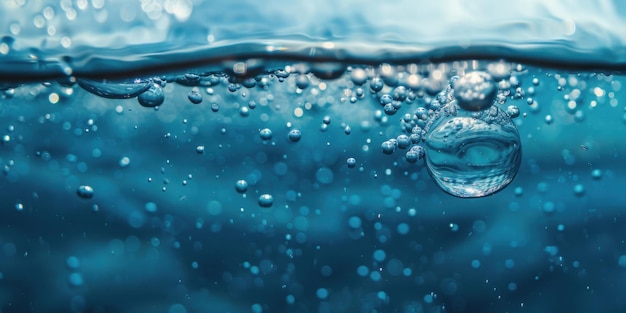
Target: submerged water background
{"points": [[197, 208]]}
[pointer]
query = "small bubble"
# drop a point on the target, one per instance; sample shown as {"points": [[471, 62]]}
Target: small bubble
{"points": [[85, 192], [385, 99], [265, 133], [194, 97], [215, 107], [233, 87], [351, 162], [474, 91], [512, 111], [200, 149], [302, 81], [249, 82], [151, 207], [548, 207], [376, 84], [390, 109], [549, 119], [124, 161], [326, 120], [403, 228], [347, 130], [403, 141], [19, 206], [281, 73], [475, 263], [76, 279], [72, 262], [388, 147], [244, 111], [358, 76], [596, 174], [242, 186], [579, 190], [322, 293], [499, 70], [266, 200], [379, 255], [152, 97], [294, 135], [354, 222]]}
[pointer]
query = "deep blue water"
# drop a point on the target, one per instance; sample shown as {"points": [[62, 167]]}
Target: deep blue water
{"points": [[165, 156]]}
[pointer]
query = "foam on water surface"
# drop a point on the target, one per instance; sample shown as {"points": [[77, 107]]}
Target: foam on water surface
{"points": [[47, 39]]}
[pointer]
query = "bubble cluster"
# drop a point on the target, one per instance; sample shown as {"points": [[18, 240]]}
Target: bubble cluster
{"points": [[471, 147]]}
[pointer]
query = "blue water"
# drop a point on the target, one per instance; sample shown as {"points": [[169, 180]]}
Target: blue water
{"points": [[237, 156]]}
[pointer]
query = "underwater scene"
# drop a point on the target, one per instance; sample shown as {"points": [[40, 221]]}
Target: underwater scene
{"points": [[185, 156]]}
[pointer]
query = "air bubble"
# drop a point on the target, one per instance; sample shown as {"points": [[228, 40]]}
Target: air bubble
{"points": [[266, 200], [124, 162], [265, 134], [579, 190], [152, 97], [549, 119], [358, 76], [474, 91], [390, 109], [376, 84], [85, 192], [294, 135], [473, 155], [242, 186], [194, 97], [302, 81], [388, 147], [596, 174], [351, 162], [512, 111], [72, 262], [322, 293], [385, 99], [403, 141], [76, 279]]}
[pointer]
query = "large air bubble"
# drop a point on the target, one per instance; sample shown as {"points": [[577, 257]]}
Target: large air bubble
{"points": [[473, 154]]}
